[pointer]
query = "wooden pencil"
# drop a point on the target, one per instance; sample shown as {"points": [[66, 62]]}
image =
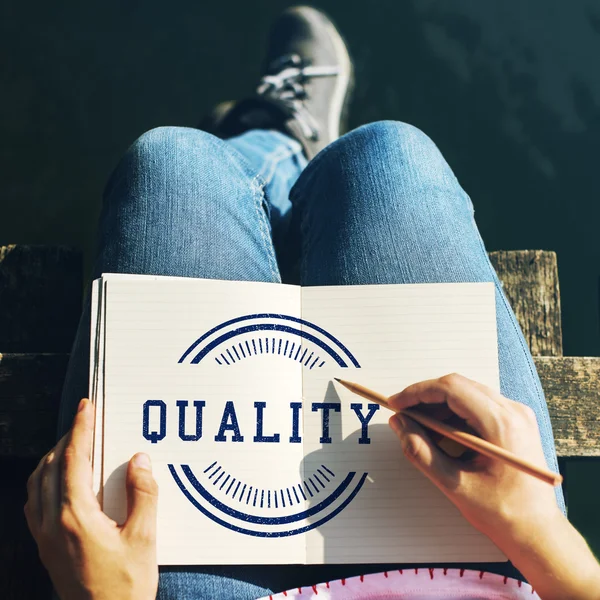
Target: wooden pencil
{"points": [[462, 437]]}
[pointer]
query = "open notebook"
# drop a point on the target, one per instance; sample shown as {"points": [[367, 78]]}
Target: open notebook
{"points": [[260, 457]]}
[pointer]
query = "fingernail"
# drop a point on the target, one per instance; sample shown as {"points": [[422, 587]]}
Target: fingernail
{"points": [[82, 405], [142, 461]]}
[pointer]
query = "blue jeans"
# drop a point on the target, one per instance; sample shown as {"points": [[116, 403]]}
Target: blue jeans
{"points": [[379, 205]]}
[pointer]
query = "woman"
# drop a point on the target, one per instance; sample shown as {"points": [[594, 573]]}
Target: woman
{"points": [[272, 192]]}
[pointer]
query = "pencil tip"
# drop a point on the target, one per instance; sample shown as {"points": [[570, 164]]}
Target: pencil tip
{"points": [[337, 379]]}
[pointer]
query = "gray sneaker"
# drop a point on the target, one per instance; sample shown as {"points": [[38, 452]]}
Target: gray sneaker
{"points": [[305, 88]]}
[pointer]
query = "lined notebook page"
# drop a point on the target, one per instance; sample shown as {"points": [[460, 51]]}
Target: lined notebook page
{"points": [[399, 334], [276, 474], [149, 326]]}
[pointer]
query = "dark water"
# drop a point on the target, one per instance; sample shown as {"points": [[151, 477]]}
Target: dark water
{"points": [[509, 91]]}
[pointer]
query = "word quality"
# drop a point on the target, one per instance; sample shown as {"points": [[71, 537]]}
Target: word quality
{"points": [[155, 421]]}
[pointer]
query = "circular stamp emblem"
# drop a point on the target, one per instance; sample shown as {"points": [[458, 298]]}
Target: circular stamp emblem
{"points": [[266, 404]]}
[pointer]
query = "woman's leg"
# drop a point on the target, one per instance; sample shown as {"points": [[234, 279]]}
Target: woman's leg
{"points": [[381, 205], [182, 202]]}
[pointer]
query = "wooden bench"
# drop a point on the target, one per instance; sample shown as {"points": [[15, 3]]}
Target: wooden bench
{"points": [[40, 302]]}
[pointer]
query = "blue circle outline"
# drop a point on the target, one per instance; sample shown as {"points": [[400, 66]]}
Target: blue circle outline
{"points": [[266, 534], [275, 316], [267, 520]]}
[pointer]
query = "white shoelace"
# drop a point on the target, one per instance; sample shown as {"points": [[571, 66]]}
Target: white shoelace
{"points": [[287, 89]]}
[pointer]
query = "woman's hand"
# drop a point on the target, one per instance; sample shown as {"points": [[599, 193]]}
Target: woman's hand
{"points": [[516, 511], [87, 554], [493, 496]]}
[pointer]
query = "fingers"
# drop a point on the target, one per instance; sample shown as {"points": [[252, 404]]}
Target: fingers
{"points": [[422, 452], [476, 404], [142, 501], [33, 506], [60, 472], [41, 486], [50, 482], [490, 392], [76, 466]]}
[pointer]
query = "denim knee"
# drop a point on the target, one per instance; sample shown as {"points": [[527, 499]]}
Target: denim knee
{"points": [[386, 161], [165, 157], [394, 146], [183, 201], [403, 138], [164, 141]]}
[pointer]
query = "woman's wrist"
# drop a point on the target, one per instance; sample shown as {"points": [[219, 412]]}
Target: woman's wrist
{"points": [[518, 531], [553, 556]]}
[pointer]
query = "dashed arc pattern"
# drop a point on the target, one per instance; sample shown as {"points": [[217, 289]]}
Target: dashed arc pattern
{"points": [[259, 497], [269, 345]]}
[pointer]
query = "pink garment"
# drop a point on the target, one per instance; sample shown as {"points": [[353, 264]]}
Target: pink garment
{"points": [[412, 584]]}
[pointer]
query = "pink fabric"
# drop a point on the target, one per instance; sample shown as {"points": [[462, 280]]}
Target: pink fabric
{"points": [[422, 584]]}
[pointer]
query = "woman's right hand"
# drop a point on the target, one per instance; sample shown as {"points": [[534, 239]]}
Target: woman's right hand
{"points": [[516, 511], [496, 498]]}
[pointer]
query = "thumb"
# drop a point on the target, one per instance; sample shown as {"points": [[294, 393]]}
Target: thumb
{"points": [[421, 451], [142, 500]]}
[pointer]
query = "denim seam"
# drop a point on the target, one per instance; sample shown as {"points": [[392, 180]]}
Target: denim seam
{"points": [[273, 159], [303, 242], [295, 197], [258, 186], [237, 158], [308, 172], [276, 160], [265, 176]]}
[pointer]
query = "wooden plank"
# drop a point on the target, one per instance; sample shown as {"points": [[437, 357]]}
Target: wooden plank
{"points": [[572, 392], [30, 388], [40, 298], [530, 281], [31, 384]]}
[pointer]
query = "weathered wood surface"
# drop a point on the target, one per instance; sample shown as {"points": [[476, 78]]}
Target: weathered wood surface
{"points": [[30, 388], [530, 281], [572, 387], [40, 298]]}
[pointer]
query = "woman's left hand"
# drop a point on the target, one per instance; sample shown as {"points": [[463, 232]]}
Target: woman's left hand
{"points": [[86, 553]]}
